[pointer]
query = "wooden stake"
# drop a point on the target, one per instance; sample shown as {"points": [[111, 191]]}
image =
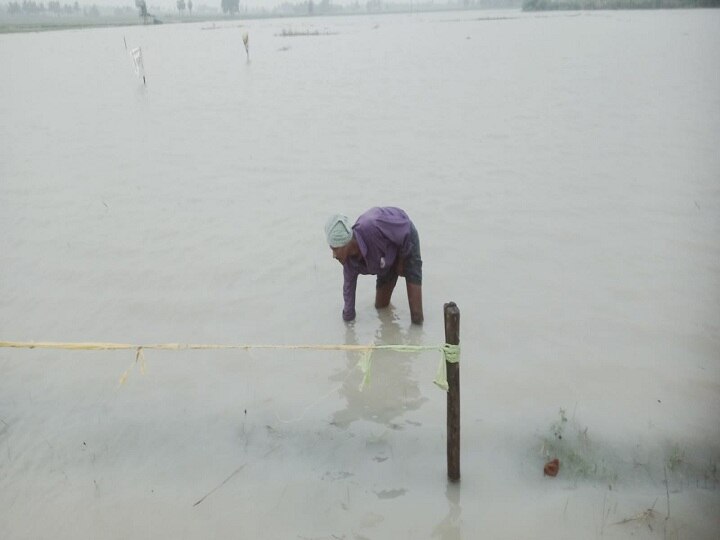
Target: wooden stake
{"points": [[452, 337]]}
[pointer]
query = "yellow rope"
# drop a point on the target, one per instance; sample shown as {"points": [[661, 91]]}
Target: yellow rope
{"points": [[450, 353], [93, 346]]}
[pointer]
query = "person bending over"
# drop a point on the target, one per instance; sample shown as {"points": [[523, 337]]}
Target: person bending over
{"points": [[383, 242]]}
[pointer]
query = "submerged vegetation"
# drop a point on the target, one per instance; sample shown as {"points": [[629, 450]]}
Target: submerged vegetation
{"points": [[289, 32], [569, 442], [676, 465], [548, 5]]}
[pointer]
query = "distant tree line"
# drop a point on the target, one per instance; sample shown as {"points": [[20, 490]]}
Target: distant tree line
{"points": [[67, 9], [142, 9], [230, 7], [548, 5], [29, 7], [181, 5], [322, 7]]}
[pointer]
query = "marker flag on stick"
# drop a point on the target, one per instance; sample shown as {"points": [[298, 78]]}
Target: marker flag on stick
{"points": [[246, 42], [136, 54]]}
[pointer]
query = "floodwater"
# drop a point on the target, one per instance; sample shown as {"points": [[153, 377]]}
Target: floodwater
{"points": [[562, 170]]}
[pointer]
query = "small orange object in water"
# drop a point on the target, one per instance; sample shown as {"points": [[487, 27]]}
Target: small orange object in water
{"points": [[552, 467]]}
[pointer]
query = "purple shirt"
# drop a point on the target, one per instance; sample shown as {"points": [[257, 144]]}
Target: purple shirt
{"points": [[382, 234]]}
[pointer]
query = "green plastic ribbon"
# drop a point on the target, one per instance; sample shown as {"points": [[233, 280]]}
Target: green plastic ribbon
{"points": [[450, 353], [365, 364]]}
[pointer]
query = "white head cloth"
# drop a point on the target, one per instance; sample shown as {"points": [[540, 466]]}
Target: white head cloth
{"points": [[338, 231]]}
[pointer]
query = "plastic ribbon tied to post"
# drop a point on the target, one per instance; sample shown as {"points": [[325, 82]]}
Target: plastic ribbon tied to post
{"points": [[450, 354]]}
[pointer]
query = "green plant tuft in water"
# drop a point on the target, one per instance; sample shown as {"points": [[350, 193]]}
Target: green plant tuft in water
{"points": [[676, 459], [569, 442]]}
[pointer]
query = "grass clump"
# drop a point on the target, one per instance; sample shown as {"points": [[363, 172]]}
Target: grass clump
{"points": [[569, 442], [290, 32]]}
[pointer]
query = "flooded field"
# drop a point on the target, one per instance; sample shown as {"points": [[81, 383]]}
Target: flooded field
{"points": [[563, 173]]}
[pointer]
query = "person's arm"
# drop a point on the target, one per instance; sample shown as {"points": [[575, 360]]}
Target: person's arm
{"points": [[350, 284]]}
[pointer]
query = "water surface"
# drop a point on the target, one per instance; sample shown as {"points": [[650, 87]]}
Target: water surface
{"points": [[563, 172]]}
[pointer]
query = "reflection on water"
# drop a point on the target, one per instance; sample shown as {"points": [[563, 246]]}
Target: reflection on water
{"points": [[391, 390], [449, 527]]}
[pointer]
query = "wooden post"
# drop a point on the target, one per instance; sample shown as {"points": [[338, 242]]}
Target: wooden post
{"points": [[452, 337]]}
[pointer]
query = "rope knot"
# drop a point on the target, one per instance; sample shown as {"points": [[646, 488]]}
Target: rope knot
{"points": [[451, 353]]}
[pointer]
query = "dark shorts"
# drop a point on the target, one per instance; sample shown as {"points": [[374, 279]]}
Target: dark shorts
{"points": [[413, 264]]}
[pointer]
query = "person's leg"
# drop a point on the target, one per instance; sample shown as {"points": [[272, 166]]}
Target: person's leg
{"points": [[413, 278], [384, 289]]}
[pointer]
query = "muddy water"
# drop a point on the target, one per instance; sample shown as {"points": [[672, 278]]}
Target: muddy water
{"points": [[563, 174]]}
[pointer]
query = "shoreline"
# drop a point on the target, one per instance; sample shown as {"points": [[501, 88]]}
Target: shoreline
{"points": [[45, 24], [50, 24], [616, 5]]}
